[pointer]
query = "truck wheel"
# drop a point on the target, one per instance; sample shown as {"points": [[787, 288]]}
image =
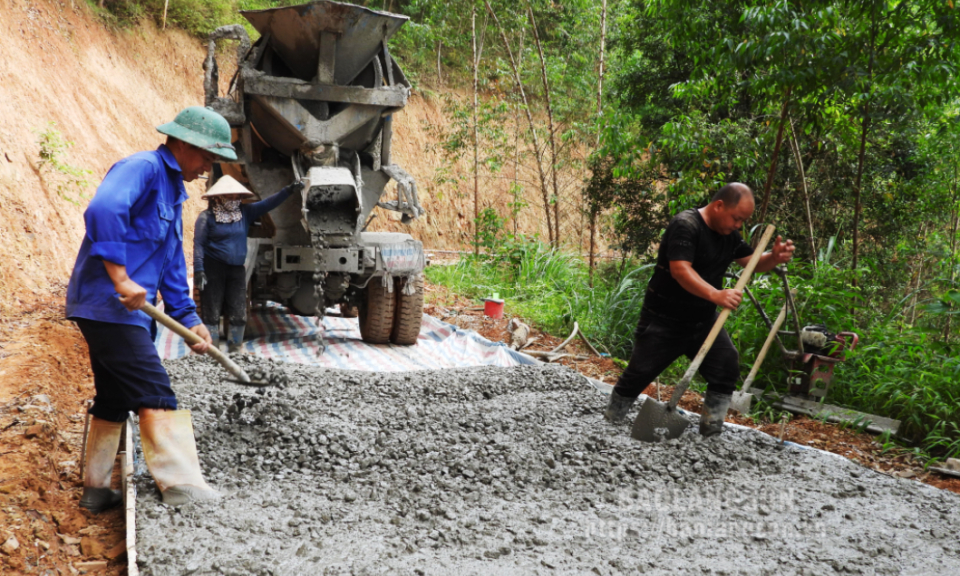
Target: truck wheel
{"points": [[376, 313], [409, 315]]}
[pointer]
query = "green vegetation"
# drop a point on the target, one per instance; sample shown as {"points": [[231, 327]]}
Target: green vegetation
{"points": [[66, 179], [198, 17]]}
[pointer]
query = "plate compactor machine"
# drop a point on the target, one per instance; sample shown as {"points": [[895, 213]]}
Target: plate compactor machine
{"points": [[810, 368]]}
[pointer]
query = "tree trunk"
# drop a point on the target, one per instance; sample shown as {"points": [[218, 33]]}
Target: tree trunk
{"points": [[953, 246], [811, 239], [593, 209], [439, 72], [776, 154], [553, 145], [476, 138], [916, 290], [533, 128], [516, 171], [858, 206]]}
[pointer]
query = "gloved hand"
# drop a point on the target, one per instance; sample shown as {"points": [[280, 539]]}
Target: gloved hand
{"points": [[200, 279], [294, 188]]}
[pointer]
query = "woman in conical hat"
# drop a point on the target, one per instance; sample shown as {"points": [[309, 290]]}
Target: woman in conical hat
{"points": [[220, 249]]}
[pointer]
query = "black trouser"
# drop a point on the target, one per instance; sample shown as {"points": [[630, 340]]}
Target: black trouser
{"points": [[657, 344], [127, 373], [226, 291]]}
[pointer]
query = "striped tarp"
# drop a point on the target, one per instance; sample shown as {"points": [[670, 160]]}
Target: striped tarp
{"points": [[273, 333]]}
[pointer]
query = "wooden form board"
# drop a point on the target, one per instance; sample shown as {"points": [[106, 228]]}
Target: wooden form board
{"points": [[130, 498], [877, 424]]}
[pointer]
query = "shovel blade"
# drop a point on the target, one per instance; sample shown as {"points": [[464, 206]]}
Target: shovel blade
{"points": [[741, 401], [656, 421]]}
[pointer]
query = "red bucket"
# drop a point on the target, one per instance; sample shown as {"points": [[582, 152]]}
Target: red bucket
{"points": [[493, 308]]}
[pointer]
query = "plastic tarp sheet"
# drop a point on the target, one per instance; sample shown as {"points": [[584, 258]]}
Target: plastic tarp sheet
{"points": [[273, 333]]}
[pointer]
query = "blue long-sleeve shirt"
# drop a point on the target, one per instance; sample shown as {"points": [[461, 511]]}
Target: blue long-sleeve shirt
{"points": [[227, 242], [134, 220]]}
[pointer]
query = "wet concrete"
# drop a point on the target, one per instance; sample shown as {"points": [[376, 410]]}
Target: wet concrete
{"points": [[512, 471]]}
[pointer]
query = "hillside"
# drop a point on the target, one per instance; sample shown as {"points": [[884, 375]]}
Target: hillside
{"points": [[105, 91]]}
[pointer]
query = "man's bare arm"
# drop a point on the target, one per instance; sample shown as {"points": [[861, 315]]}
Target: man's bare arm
{"points": [[683, 272]]}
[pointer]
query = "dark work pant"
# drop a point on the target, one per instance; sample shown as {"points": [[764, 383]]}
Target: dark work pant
{"points": [[226, 291], [658, 344], [126, 370]]}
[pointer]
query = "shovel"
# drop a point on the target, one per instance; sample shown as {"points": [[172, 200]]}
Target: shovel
{"points": [[191, 338], [742, 399], [657, 420]]}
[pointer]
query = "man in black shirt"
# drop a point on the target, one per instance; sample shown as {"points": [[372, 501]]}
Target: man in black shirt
{"points": [[680, 306]]}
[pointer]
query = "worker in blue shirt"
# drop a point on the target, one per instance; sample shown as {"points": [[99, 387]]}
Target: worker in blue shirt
{"points": [[219, 251], [133, 249]]}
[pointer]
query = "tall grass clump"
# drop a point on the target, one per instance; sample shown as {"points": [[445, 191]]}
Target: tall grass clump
{"points": [[551, 289]]}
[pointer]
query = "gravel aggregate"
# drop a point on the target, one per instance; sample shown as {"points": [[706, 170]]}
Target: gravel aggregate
{"points": [[510, 471]]}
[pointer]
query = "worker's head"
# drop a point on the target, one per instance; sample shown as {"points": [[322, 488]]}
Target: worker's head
{"points": [[198, 137], [730, 207], [227, 189], [193, 161]]}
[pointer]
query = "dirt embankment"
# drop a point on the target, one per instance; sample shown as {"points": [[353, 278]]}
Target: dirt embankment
{"points": [[105, 91]]}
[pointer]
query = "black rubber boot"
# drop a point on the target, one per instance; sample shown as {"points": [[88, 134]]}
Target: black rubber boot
{"points": [[618, 407], [97, 500], [715, 408]]}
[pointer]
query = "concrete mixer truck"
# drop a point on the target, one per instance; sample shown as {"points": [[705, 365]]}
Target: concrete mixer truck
{"points": [[313, 99]]}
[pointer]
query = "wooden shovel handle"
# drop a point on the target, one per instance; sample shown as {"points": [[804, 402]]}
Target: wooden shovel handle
{"points": [[718, 325], [766, 347], [192, 339]]}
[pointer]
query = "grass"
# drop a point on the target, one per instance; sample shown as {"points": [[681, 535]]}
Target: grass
{"points": [[899, 371]]}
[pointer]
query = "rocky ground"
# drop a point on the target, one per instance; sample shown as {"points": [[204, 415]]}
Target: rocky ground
{"points": [[489, 471]]}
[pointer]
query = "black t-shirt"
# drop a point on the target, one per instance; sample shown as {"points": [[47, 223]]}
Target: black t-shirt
{"points": [[689, 238]]}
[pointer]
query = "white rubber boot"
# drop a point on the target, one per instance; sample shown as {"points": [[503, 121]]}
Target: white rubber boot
{"points": [[170, 450], [103, 441]]}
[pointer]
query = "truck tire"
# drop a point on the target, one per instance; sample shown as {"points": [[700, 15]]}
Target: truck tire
{"points": [[376, 313], [409, 314]]}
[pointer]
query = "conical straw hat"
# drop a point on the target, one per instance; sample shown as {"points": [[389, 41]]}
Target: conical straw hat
{"points": [[226, 185]]}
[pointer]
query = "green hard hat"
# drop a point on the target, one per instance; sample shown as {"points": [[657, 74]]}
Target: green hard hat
{"points": [[203, 128]]}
